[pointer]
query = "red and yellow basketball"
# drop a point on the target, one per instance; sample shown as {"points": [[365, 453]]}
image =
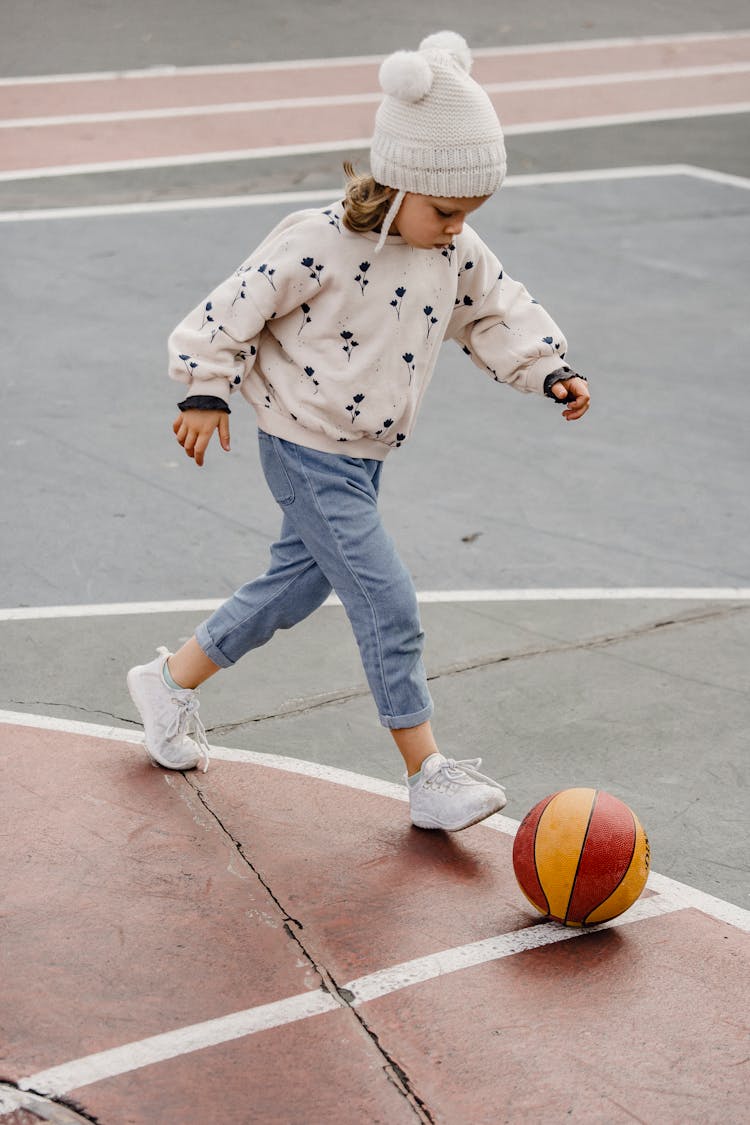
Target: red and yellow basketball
{"points": [[581, 857]]}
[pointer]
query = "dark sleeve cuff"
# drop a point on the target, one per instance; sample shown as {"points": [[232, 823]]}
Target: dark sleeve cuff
{"points": [[203, 402], [557, 376]]}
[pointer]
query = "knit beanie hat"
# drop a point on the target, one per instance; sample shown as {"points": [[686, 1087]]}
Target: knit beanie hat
{"points": [[436, 131]]}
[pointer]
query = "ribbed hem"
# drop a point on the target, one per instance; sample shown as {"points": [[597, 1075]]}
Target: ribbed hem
{"points": [[469, 172], [289, 430], [398, 722]]}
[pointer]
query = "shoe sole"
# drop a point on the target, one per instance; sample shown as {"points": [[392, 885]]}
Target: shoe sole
{"points": [[131, 680], [426, 822]]}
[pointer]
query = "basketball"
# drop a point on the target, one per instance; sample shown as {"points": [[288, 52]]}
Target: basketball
{"points": [[581, 857]]}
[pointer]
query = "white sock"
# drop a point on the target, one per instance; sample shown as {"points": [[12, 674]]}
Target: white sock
{"points": [[168, 678]]}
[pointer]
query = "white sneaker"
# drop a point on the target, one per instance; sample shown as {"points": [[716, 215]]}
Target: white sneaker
{"points": [[166, 715], [453, 795]]}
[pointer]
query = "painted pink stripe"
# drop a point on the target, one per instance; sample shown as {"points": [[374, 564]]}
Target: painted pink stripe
{"points": [[154, 92], [131, 140]]}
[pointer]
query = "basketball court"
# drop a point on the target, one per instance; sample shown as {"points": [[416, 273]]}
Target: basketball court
{"points": [[271, 941]]}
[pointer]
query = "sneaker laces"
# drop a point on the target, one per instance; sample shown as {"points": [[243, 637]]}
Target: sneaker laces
{"points": [[452, 770], [187, 711]]}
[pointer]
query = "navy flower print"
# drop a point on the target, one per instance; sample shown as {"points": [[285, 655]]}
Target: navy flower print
{"points": [[396, 304], [349, 343], [315, 270], [310, 372], [466, 266], [386, 425], [267, 273], [448, 252], [207, 319], [431, 320], [304, 309], [466, 302], [190, 364], [408, 359], [240, 294], [360, 278], [352, 407], [333, 219]]}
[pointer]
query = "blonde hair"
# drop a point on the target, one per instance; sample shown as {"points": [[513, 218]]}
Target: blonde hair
{"points": [[366, 202]]}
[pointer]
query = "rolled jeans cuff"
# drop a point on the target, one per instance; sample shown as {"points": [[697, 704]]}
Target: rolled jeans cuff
{"points": [[206, 643], [399, 722]]}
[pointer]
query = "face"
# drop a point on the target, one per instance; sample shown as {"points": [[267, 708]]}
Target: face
{"points": [[427, 221]]}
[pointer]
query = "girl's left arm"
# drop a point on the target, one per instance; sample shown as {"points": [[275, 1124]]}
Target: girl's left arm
{"points": [[506, 332]]}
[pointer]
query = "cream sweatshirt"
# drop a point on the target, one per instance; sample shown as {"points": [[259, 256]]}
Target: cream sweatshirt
{"points": [[334, 345]]}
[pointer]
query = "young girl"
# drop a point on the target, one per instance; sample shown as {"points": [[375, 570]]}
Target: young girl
{"points": [[331, 330]]}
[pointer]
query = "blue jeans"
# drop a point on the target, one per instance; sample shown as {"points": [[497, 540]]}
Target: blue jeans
{"points": [[331, 537]]}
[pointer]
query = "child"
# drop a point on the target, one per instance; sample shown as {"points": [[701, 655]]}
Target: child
{"points": [[331, 330]]}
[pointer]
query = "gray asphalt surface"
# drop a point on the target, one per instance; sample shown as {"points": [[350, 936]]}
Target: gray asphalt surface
{"points": [[648, 278]]}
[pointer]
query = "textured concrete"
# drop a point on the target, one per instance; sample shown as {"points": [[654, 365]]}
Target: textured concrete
{"points": [[647, 490], [119, 34], [648, 700]]}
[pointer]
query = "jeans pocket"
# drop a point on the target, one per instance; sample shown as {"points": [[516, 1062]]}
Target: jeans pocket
{"points": [[274, 469]]}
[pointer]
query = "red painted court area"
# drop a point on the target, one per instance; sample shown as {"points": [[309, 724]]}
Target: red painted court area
{"points": [[96, 121], [272, 941]]}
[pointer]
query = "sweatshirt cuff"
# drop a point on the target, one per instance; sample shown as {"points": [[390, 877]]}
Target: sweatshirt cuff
{"points": [[557, 376], [203, 402]]}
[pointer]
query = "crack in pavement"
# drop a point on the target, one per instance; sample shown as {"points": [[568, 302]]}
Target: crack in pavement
{"points": [[58, 1111], [73, 707], [395, 1074], [689, 617]]}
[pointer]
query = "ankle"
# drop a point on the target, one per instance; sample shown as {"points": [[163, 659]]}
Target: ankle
{"points": [[416, 744], [169, 679]]}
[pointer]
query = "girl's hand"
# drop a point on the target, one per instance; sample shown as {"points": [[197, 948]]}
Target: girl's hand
{"points": [[575, 394], [194, 430]]}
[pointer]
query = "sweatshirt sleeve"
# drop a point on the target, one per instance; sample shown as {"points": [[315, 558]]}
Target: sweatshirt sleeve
{"points": [[501, 327], [214, 348]]}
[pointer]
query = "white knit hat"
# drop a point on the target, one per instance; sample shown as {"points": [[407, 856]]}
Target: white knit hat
{"points": [[436, 131]]}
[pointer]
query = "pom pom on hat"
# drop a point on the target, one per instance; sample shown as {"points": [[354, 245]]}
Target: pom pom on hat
{"points": [[406, 75], [453, 44], [436, 131]]}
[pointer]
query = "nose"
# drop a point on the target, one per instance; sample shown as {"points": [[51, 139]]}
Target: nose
{"points": [[454, 227]]}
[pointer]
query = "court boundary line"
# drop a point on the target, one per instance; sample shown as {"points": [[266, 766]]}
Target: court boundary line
{"points": [[532, 179], [424, 597], [721, 910], [169, 70], [356, 143]]}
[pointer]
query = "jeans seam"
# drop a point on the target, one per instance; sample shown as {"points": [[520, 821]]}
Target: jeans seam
{"points": [[353, 574]]}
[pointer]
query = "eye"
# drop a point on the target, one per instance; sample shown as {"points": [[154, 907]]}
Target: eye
{"points": [[444, 214]]}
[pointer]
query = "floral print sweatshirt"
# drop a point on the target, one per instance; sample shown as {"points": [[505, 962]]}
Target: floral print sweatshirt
{"points": [[334, 345]]}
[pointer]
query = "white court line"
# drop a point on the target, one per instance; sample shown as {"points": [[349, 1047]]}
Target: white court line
{"points": [[223, 108], [425, 597], [169, 70], [157, 1048], [566, 124], [534, 179], [688, 897]]}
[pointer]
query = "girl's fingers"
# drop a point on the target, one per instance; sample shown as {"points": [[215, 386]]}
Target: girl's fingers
{"points": [[200, 448], [224, 432]]}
